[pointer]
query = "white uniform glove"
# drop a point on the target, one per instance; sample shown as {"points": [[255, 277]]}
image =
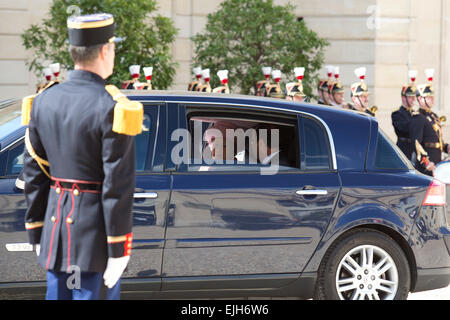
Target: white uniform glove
{"points": [[114, 269], [37, 247]]}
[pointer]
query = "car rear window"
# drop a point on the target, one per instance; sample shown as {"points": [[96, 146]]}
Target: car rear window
{"points": [[316, 152], [388, 156]]}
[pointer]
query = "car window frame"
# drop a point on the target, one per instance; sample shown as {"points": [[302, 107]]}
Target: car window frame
{"points": [[256, 113], [158, 141]]}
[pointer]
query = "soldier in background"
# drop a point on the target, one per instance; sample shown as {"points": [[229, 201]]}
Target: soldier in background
{"points": [[223, 76], [274, 90], [402, 116], [260, 86], [206, 87], [294, 90], [135, 72], [323, 87], [322, 92], [336, 91], [425, 130], [360, 94], [198, 75], [54, 69]]}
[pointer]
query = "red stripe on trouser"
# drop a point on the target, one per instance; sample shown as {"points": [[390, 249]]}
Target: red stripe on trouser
{"points": [[68, 227], [53, 231]]}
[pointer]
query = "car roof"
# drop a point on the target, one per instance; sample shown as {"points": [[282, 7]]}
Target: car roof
{"points": [[192, 96], [349, 130]]}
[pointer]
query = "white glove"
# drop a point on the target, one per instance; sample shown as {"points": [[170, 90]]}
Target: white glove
{"points": [[114, 269], [37, 247]]}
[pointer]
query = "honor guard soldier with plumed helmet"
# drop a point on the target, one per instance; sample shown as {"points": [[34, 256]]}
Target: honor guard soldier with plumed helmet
{"points": [[135, 73], [56, 70], [402, 116], [223, 76], [48, 80], [148, 72], [360, 94], [274, 90], [198, 75], [260, 88], [336, 91], [79, 169], [322, 88], [206, 87], [294, 90], [425, 131]]}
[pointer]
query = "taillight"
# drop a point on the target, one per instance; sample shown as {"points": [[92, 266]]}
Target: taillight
{"points": [[435, 194]]}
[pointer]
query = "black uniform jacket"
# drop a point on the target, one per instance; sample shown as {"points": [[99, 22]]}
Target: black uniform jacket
{"points": [[400, 121], [83, 214], [423, 128]]}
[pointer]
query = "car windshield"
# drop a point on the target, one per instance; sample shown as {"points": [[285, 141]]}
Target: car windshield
{"points": [[10, 117]]}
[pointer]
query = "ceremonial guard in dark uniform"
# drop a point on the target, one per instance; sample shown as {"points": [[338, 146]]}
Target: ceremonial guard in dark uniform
{"points": [[135, 73], [294, 90], [206, 87], [79, 169], [260, 86], [336, 91], [274, 90], [402, 116], [425, 130], [55, 69], [360, 94], [198, 75], [224, 88], [323, 87]]}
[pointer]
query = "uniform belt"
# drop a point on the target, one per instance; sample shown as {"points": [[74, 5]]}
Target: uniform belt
{"points": [[435, 145], [81, 186]]}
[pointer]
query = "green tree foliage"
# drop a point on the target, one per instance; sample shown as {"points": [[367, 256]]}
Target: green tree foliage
{"points": [[148, 37], [245, 35]]}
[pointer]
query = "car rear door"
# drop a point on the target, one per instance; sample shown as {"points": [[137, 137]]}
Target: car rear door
{"points": [[18, 262], [236, 221]]}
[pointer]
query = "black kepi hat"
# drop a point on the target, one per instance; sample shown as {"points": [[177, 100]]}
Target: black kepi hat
{"points": [[92, 29]]}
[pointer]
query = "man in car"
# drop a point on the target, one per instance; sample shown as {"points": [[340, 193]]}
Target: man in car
{"points": [[79, 169], [402, 116], [425, 130]]}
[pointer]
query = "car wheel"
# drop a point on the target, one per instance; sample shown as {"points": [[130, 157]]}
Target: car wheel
{"points": [[364, 265]]}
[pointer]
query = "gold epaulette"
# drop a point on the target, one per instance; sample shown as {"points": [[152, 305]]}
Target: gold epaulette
{"points": [[27, 103], [128, 115], [41, 162]]}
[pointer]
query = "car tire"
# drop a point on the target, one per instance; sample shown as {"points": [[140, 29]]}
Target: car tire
{"points": [[364, 264]]}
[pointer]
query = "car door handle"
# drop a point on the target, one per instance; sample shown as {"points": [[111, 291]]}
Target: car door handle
{"points": [[145, 195], [314, 192]]}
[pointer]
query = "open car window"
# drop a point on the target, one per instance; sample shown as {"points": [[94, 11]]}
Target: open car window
{"points": [[241, 142]]}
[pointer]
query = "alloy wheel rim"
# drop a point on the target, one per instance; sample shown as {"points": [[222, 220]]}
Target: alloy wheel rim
{"points": [[367, 272]]}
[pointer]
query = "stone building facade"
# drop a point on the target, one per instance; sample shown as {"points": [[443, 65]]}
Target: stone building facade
{"points": [[388, 37]]}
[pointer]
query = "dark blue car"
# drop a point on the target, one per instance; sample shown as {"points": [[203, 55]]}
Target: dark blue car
{"points": [[343, 216]]}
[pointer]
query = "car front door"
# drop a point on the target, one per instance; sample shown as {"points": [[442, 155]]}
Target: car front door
{"points": [[234, 221]]}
